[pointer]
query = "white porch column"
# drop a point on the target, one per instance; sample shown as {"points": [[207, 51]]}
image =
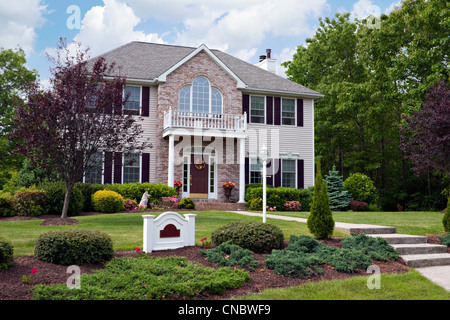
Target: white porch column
{"points": [[241, 170], [170, 174]]}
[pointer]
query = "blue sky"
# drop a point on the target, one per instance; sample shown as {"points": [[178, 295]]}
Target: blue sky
{"points": [[243, 28]]}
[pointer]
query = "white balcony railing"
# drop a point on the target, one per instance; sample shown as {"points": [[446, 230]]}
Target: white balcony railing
{"points": [[198, 120]]}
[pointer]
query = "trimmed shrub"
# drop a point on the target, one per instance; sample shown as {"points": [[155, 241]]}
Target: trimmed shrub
{"points": [[230, 255], [358, 205], [56, 192], [186, 203], [361, 188], [255, 236], [135, 190], [107, 201], [6, 205], [256, 204], [169, 202], [292, 206], [320, 220], [277, 197], [74, 246], [130, 205], [30, 202], [6, 254], [446, 218]]}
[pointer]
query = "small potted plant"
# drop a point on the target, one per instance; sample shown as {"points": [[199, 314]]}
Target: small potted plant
{"points": [[177, 184], [228, 186]]}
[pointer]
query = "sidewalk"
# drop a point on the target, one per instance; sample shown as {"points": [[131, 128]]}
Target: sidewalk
{"points": [[438, 274]]}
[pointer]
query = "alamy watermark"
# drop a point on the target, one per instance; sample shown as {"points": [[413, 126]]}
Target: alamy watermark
{"points": [[74, 280], [374, 281], [74, 20]]}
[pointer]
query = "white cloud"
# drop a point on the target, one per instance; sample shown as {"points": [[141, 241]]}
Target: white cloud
{"points": [[240, 26], [106, 27], [361, 9], [285, 55], [18, 23]]}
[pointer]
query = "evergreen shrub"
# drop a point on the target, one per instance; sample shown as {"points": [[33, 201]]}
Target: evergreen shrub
{"points": [[339, 198], [6, 205], [74, 246], [107, 201], [361, 187], [255, 236], [186, 203], [30, 202], [230, 255], [277, 197], [56, 192], [6, 254]]}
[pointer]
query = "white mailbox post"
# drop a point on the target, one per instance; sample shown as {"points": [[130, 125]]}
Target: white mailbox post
{"points": [[169, 231]]}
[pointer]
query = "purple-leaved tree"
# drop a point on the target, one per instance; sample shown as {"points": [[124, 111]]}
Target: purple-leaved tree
{"points": [[66, 126], [426, 134]]}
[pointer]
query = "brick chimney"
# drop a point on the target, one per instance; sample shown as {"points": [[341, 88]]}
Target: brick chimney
{"points": [[267, 63]]}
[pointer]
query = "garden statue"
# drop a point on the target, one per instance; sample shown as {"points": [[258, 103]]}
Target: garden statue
{"points": [[144, 200]]}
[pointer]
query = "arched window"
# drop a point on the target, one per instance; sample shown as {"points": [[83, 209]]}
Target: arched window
{"points": [[200, 97]]}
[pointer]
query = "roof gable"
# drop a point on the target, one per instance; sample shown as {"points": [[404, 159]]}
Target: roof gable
{"points": [[163, 76]]}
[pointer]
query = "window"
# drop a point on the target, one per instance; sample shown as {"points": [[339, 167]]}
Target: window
{"points": [[255, 170], [211, 174], [257, 109], [134, 100], [288, 112], [94, 174], [200, 97], [185, 174], [131, 168], [288, 173]]}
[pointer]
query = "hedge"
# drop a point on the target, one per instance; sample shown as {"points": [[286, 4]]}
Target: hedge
{"points": [[277, 197]]}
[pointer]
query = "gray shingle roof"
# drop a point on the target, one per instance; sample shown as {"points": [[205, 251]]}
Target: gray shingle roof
{"points": [[147, 61]]}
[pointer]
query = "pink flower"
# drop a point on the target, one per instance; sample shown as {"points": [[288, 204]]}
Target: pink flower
{"points": [[267, 207], [271, 209], [34, 270]]}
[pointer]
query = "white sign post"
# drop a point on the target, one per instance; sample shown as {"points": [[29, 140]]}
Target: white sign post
{"points": [[264, 167]]}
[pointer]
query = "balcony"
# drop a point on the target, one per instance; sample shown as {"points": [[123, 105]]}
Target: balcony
{"points": [[204, 124]]}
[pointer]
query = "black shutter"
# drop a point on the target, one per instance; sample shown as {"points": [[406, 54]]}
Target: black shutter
{"points": [[270, 171], [107, 172], [269, 105], [246, 105], [277, 173], [300, 112], [145, 167], [277, 111], [300, 174], [117, 167], [247, 170], [145, 101]]}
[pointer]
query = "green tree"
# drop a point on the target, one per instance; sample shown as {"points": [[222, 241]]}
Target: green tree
{"points": [[14, 79], [320, 220], [339, 198], [446, 218]]}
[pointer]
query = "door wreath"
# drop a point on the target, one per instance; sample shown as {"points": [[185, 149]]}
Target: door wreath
{"points": [[199, 165]]}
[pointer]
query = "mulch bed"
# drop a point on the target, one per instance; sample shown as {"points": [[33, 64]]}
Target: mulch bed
{"points": [[12, 287]]}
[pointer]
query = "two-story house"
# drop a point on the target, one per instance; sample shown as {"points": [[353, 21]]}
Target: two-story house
{"points": [[207, 115]]}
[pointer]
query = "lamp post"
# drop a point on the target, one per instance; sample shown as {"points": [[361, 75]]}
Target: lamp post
{"points": [[263, 157]]}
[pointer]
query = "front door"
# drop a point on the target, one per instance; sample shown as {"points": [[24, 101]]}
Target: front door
{"points": [[199, 176]]}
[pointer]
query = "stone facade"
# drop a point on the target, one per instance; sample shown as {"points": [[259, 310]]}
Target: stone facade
{"points": [[168, 96]]}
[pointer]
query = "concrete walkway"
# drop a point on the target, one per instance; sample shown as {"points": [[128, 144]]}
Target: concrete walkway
{"points": [[439, 274]]}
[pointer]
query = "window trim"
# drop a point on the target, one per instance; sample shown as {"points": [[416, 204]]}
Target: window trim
{"points": [[140, 167], [295, 112], [209, 97], [103, 169], [295, 168], [250, 109], [140, 99], [253, 158]]}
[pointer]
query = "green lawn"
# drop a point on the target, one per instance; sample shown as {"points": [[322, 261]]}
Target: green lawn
{"points": [[126, 229], [409, 286], [414, 223]]}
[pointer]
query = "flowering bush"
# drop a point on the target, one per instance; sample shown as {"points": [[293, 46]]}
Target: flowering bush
{"points": [[169, 202], [142, 207], [292, 205], [271, 208], [130, 204], [358, 205], [177, 184], [229, 184]]}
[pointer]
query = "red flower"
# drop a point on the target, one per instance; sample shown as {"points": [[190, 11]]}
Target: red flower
{"points": [[203, 239], [34, 270], [137, 249], [358, 233]]}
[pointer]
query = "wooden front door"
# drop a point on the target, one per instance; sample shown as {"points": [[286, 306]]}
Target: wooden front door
{"points": [[199, 176]]}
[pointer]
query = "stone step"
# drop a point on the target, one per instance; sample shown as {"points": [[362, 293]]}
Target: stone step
{"points": [[401, 238], [426, 260], [419, 248]]}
